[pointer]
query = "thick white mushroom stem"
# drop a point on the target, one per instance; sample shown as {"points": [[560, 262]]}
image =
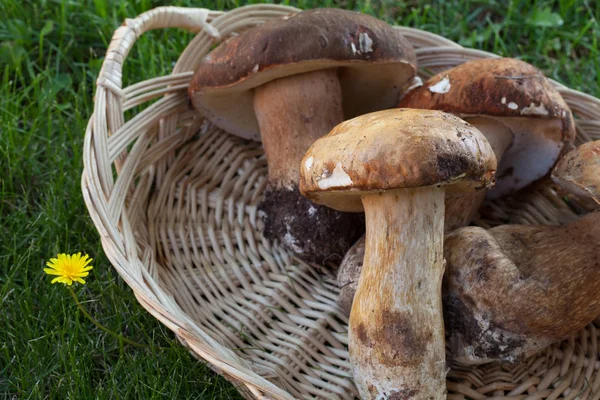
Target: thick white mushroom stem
{"points": [[497, 134], [292, 113], [396, 337]]}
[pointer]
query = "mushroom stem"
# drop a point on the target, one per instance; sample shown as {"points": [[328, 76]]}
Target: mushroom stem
{"points": [[396, 338], [292, 113], [497, 134]]}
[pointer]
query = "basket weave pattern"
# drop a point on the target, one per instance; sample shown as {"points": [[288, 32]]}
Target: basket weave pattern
{"points": [[174, 200]]}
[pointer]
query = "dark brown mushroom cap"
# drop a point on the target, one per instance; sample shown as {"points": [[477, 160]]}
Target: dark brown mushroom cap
{"points": [[578, 172], [512, 93], [376, 59], [395, 149]]}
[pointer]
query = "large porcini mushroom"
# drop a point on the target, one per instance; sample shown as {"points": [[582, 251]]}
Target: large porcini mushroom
{"points": [[578, 173], [289, 82], [518, 110], [512, 290], [397, 165]]}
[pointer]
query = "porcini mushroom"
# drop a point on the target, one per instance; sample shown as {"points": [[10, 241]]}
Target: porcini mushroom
{"points": [[512, 290], [287, 83], [518, 110], [397, 165], [578, 173]]}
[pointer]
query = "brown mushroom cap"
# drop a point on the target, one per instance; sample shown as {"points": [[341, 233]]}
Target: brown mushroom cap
{"points": [[394, 149], [514, 289], [511, 93], [578, 172], [375, 62]]}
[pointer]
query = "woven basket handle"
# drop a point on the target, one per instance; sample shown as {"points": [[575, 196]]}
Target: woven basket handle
{"points": [[194, 20], [108, 108]]}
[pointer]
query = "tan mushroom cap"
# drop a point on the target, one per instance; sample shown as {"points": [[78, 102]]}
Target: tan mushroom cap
{"points": [[375, 62], [394, 149], [518, 96], [578, 172]]}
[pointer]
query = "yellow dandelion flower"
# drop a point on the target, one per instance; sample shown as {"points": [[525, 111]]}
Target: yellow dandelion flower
{"points": [[69, 268]]}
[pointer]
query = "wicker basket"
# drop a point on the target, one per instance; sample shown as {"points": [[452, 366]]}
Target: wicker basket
{"points": [[174, 200]]}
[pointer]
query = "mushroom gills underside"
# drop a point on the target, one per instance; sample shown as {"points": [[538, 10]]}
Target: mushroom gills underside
{"points": [[365, 88]]}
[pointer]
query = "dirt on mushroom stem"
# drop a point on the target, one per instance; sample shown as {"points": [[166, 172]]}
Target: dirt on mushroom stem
{"points": [[317, 234]]}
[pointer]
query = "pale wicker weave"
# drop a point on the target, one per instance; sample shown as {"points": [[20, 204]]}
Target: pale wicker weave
{"points": [[174, 200]]}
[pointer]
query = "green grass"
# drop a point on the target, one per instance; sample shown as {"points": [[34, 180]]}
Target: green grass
{"points": [[50, 54]]}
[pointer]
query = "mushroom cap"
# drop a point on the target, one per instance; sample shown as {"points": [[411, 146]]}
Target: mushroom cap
{"points": [[375, 63], [395, 149], [578, 172], [512, 92]]}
